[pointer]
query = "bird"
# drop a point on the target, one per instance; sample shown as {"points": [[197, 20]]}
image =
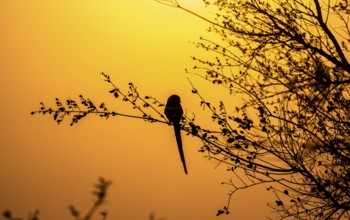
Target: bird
{"points": [[173, 111]]}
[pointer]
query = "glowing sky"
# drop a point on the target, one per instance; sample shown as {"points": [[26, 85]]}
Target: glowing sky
{"points": [[57, 48]]}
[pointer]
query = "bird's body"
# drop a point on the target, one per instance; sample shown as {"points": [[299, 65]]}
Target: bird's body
{"points": [[173, 111]]}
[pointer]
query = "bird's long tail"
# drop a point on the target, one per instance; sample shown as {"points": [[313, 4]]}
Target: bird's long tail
{"points": [[179, 144]]}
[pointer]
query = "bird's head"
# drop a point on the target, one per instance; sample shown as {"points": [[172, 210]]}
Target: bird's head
{"points": [[173, 100]]}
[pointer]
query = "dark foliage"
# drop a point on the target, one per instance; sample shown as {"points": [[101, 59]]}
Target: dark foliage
{"points": [[100, 193]]}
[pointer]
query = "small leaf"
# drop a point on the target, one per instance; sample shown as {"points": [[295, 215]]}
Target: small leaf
{"points": [[116, 95], [194, 130], [240, 137], [279, 203], [55, 116], [220, 212], [230, 140], [74, 212], [7, 214]]}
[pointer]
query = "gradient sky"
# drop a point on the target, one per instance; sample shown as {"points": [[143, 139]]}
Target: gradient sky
{"points": [[57, 48]]}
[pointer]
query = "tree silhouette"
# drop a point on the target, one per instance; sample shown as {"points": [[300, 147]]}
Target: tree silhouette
{"points": [[288, 60], [99, 192]]}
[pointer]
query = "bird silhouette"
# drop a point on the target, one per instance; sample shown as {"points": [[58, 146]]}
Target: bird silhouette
{"points": [[173, 111]]}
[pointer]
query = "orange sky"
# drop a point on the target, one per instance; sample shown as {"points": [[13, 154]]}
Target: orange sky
{"points": [[57, 49]]}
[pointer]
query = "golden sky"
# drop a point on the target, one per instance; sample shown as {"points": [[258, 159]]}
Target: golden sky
{"points": [[57, 48]]}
